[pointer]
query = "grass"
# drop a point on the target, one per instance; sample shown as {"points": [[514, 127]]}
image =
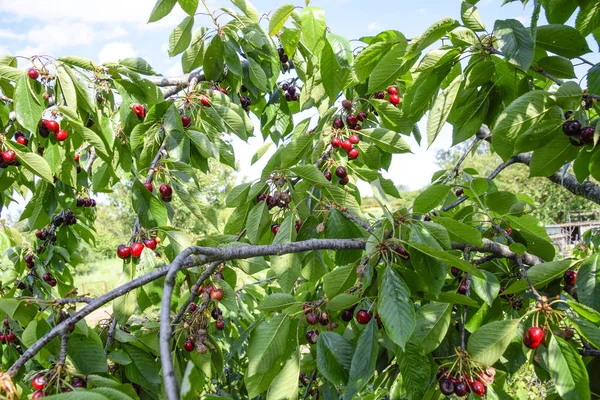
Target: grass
{"points": [[102, 277]]}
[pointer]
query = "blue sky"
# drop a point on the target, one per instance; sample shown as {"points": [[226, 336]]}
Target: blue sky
{"points": [[107, 30]]}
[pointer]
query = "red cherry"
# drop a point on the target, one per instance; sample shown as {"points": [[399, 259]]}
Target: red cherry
{"points": [[136, 249], [298, 225], [509, 230], [351, 119], [61, 135], [353, 153], [123, 251], [570, 277], [534, 337], [76, 158], [22, 140], [204, 100], [148, 185], [338, 123], [392, 90], [312, 336], [223, 90], [347, 145], [52, 282], [193, 307], [46, 277], [217, 294], [354, 139], [363, 317], [10, 337], [379, 95], [2, 338], [38, 394], [362, 116], [139, 110], [150, 243], [39, 381], [188, 346], [186, 121], [395, 99], [9, 156], [312, 318], [336, 142], [51, 125], [165, 190], [341, 172], [33, 73], [477, 387], [459, 192], [220, 325], [344, 180], [327, 175], [275, 229]]}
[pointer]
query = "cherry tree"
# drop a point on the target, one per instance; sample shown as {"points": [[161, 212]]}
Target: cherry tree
{"points": [[303, 295]]}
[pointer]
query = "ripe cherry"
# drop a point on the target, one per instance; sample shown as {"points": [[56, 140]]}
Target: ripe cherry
{"points": [[356, 128], [324, 318], [165, 190], [188, 346], [52, 282], [395, 99], [327, 175], [39, 381], [274, 229], [9, 156], [261, 197], [33, 73], [216, 313], [220, 325], [570, 277], [136, 249], [341, 172], [379, 95], [534, 337], [454, 271], [51, 125], [347, 315], [392, 90], [78, 382], [76, 158], [61, 135], [347, 104], [148, 185], [336, 142], [2, 338], [193, 307], [22, 140], [338, 123], [150, 243], [312, 318], [292, 90], [123, 251], [139, 110], [477, 387], [10, 337], [344, 180], [347, 145], [186, 121], [363, 316], [354, 139], [38, 394], [362, 116], [446, 386], [217, 294], [46, 277], [204, 100], [312, 336], [571, 128], [402, 252], [587, 135], [351, 119], [461, 389], [459, 192], [462, 288], [353, 153]]}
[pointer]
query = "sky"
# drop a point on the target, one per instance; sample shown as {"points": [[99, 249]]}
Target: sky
{"points": [[108, 30]]}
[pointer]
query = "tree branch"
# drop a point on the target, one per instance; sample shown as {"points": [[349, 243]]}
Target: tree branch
{"points": [[64, 341], [460, 161], [498, 249], [187, 259], [110, 336]]}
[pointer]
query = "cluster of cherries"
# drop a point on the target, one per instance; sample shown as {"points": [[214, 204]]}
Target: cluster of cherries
{"points": [[136, 248], [49, 279], [44, 385], [275, 227], [81, 202], [6, 335], [166, 191], [393, 93], [284, 59], [315, 316], [216, 294], [452, 382], [352, 122], [278, 199], [578, 136], [21, 138], [341, 173], [67, 218], [291, 92], [45, 126]]}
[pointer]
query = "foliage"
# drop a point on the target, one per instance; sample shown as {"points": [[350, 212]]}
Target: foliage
{"points": [[309, 296]]}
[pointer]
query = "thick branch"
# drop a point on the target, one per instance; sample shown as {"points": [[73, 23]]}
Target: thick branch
{"points": [[500, 250], [64, 341], [186, 260]]}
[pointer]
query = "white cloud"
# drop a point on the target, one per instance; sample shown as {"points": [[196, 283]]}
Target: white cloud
{"points": [[115, 51], [6, 34], [373, 26]]}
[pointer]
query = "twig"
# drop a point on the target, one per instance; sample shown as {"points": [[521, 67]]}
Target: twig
{"points": [[460, 161], [71, 300], [590, 352], [110, 337], [310, 382], [90, 161]]}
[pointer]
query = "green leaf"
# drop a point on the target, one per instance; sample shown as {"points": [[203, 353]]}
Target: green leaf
{"points": [[314, 28], [363, 361], [28, 107], [161, 9], [593, 79], [369, 57], [213, 62], [470, 17], [588, 19], [487, 344], [285, 384], [558, 67], [339, 280], [257, 222], [138, 64], [124, 307], [434, 33], [193, 56], [33, 163], [150, 210], [279, 17], [388, 68], [87, 353], [395, 308], [342, 301], [586, 312], [339, 227], [563, 40], [276, 302], [432, 322], [238, 195], [189, 6], [68, 88], [569, 95], [248, 9], [540, 275], [257, 74], [441, 109], [460, 232], [480, 73], [588, 282], [332, 74], [430, 198], [267, 344], [567, 370], [515, 42], [180, 38], [387, 140], [311, 174], [587, 330], [487, 289], [550, 158], [448, 258], [334, 357], [559, 11]]}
